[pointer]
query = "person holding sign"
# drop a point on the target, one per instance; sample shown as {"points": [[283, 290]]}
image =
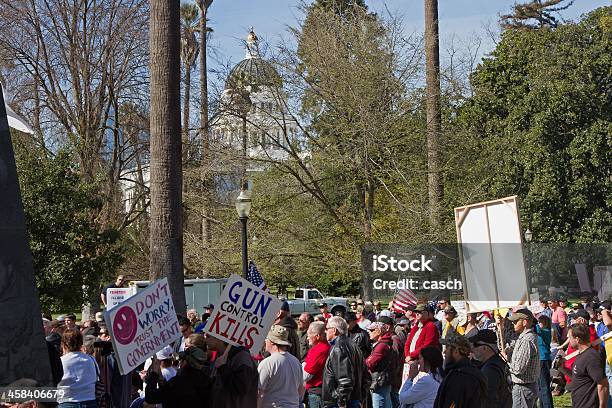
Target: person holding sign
{"points": [[189, 388], [280, 375], [118, 284], [235, 384]]}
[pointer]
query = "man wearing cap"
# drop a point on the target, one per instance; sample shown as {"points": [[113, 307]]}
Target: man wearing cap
{"points": [[281, 381], [423, 334], [358, 335], [380, 364], [484, 348], [589, 386], [524, 361], [346, 381], [323, 309], [284, 319], [463, 384], [451, 323], [314, 364], [190, 386]]}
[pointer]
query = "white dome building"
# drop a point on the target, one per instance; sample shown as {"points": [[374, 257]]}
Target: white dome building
{"points": [[254, 105]]}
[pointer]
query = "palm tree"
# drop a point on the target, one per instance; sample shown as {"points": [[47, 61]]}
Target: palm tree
{"points": [[189, 52], [434, 119], [204, 5], [166, 232]]}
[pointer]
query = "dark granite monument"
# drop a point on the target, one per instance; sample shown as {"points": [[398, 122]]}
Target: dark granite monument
{"points": [[23, 352]]}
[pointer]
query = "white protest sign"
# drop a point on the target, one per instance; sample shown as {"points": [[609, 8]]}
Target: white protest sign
{"points": [[491, 255], [244, 315], [114, 296], [143, 325]]}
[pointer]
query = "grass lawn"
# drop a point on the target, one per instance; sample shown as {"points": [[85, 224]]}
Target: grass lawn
{"points": [[563, 401]]}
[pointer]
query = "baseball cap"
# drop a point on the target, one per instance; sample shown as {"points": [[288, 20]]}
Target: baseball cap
{"points": [[375, 325], [350, 317], [403, 322], [484, 336], [450, 309], [423, 308], [164, 354], [195, 356], [322, 304], [385, 320], [209, 306], [521, 314], [285, 306], [278, 335], [582, 313]]}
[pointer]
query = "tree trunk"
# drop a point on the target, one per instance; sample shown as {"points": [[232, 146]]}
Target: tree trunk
{"points": [[432, 72], [166, 239], [206, 183], [186, 101]]}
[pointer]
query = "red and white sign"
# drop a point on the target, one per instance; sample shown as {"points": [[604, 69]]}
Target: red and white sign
{"points": [[244, 315], [143, 325], [114, 296]]}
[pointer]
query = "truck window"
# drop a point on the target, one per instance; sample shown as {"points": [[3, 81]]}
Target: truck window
{"points": [[314, 294], [299, 294]]}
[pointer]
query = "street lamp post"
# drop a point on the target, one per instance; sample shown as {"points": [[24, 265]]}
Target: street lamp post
{"points": [[528, 236], [243, 207]]}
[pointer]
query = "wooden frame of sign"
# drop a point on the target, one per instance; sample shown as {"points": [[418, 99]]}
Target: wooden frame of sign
{"points": [[489, 271]]}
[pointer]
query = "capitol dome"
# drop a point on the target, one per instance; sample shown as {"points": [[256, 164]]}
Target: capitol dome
{"points": [[253, 70]]}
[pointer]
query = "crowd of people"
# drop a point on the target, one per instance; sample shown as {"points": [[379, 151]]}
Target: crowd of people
{"points": [[426, 355]]}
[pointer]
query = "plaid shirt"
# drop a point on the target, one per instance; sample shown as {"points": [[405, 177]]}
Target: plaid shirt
{"points": [[525, 359]]}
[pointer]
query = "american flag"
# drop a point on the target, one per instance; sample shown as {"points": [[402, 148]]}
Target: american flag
{"points": [[255, 277], [403, 298]]}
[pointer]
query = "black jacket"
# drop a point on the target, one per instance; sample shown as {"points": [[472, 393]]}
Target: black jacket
{"points": [[304, 346], [498, 390], [288, 323], [463, 386], [189, 388], [361, 339], [345, 376]]}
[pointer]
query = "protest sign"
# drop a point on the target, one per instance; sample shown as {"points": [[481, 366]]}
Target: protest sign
{"points": [[143, 325], [491, 255], [244, 316], [114, 296]]}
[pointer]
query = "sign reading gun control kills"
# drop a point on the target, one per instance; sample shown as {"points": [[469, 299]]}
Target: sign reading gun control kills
{"points": [[143, 325], [244, 315]]}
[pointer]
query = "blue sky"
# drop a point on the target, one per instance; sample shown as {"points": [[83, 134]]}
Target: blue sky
{"points": [[231, 19]]}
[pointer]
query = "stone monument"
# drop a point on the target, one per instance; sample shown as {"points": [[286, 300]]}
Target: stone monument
{"points": [[23, 351]]}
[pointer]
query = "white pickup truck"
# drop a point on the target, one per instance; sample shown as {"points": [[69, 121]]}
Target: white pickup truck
{"points": [[307, 299]]}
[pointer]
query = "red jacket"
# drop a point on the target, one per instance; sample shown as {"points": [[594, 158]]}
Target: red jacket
{"points": [[380, 351], [429, 336]]}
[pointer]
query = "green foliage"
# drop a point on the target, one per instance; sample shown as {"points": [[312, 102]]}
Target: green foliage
{"points": [[68, 249], [535, 14], [540, 127]]}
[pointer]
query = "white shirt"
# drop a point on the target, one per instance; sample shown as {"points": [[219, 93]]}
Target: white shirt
{"points": [[420, 392], [280, 378], [80, 376], [416, 336]]}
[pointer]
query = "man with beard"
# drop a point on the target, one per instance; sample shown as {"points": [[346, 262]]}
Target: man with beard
{"points": [[463, 384], [284, 319], [304, 321], [494, 369]]}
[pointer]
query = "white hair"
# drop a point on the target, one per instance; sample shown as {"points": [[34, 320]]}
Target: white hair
{"points": [[339, 324], [317, 328]]}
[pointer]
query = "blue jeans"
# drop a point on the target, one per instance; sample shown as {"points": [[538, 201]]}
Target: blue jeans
{"points": [[544, 385], [395, 398], [609, 375], [350, 404], [84, 404], [381, 397], [314, 401]]}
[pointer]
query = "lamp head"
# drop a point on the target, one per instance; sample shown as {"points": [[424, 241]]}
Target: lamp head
{"points": [[243, 204]]}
